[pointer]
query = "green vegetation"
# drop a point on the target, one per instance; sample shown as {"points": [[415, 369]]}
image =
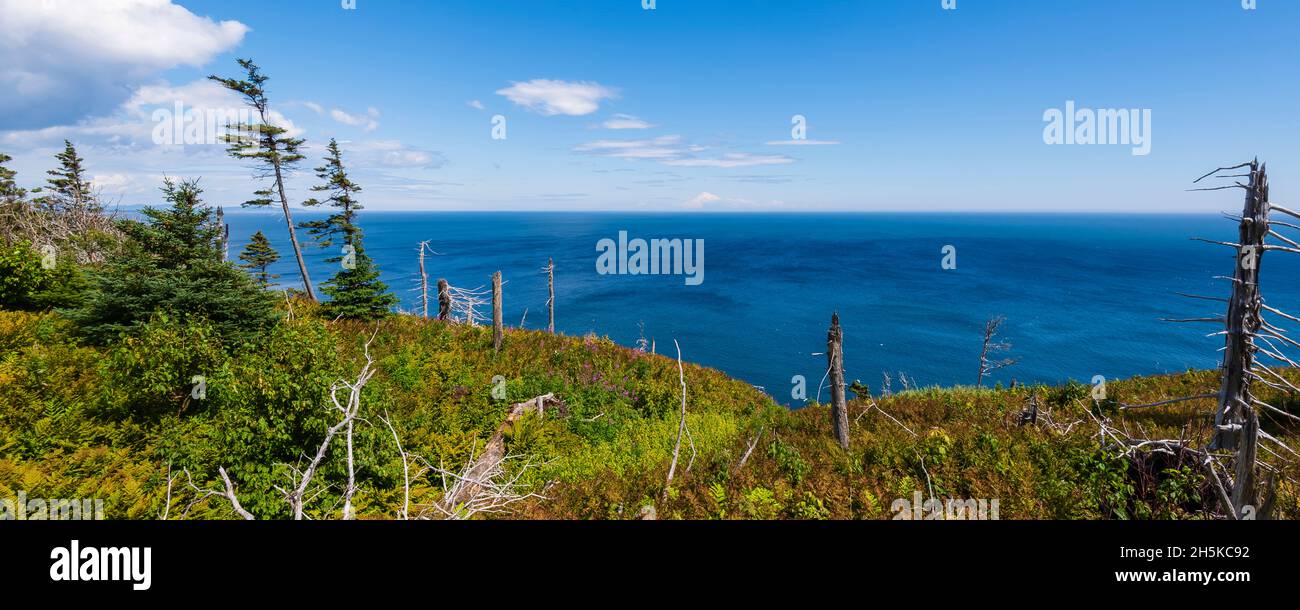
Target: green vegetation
{"points": [[258, 255], [68, 188], [140, 365], [269, 147], [171, 263], [111, 421], [9, 190], [355, 291]]}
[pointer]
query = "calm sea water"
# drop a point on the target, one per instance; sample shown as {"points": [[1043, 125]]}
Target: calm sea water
{"points": [[1082, 294]]}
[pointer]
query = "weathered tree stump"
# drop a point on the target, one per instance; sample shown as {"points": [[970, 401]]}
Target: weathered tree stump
{"points": [[839, 405], [444, 300]]}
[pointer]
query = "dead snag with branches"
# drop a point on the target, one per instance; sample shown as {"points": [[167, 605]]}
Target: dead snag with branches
{"points": [[480, 488], [989, 362], [1247, 336], [466, 305], [348, 410]]}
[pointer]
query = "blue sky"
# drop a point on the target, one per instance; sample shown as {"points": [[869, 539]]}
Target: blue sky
{"points": [[608, 106]]}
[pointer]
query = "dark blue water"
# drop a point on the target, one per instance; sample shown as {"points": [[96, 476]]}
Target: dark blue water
{"points": [[1082, 294]]}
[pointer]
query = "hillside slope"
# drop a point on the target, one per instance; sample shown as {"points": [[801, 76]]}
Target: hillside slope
{"points": [[120, 422]]}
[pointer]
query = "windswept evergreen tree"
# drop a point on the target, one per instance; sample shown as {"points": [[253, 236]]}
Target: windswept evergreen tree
{"points": [[171, 263], [9, 190], [258, 255], [68, 189], [270, 147], [355, 292]]}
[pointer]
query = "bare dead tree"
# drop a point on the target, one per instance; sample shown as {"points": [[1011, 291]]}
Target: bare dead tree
{"points": [[906, 382], [301, 479], [550, 300], [642, 344], [85, 232], [681, 426], [480, 486], [424, 282], [1249, 338], [839, 403], [498, 324], [989, 362], [466, 305]]}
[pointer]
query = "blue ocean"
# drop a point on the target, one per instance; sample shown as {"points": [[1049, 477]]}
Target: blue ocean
{"points": [[1082, 295]]}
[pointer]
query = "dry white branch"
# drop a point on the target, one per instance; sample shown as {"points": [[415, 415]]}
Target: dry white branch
{"points": [[681, 425], [297, 497]]}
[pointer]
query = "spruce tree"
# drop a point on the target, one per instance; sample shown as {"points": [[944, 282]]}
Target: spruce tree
{"points": [[270, 147], [355, 292], [258, 255], [9, 190], [171, 263], [68, 189]]}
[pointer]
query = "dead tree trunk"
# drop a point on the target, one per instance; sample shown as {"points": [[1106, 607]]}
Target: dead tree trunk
{"points": [[835, 358], [1243, 320], [550, 287], [488, 463], [424, 282], [444, 300], [498, 326]]}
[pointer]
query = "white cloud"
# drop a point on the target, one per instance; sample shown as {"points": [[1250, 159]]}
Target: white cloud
{"points": [[475, 104], [663, 147], [112, 182], [707, 200], [803, 143], [625, 121], [671, 150], [66, 59], [552, 97], [393, 154], [699, 201], [366, 122], [132, 123], [731, 160]]}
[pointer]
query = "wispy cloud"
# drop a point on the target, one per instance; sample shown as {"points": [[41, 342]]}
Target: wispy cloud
{"points": [[625, 121], [662, 147], [475, 104], [803, 143], [557, 97], [394, 154], [673, 151], [367, 122], [731, 160]]}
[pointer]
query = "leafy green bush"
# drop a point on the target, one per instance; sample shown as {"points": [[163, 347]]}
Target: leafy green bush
{"points": [[26, 283]]}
